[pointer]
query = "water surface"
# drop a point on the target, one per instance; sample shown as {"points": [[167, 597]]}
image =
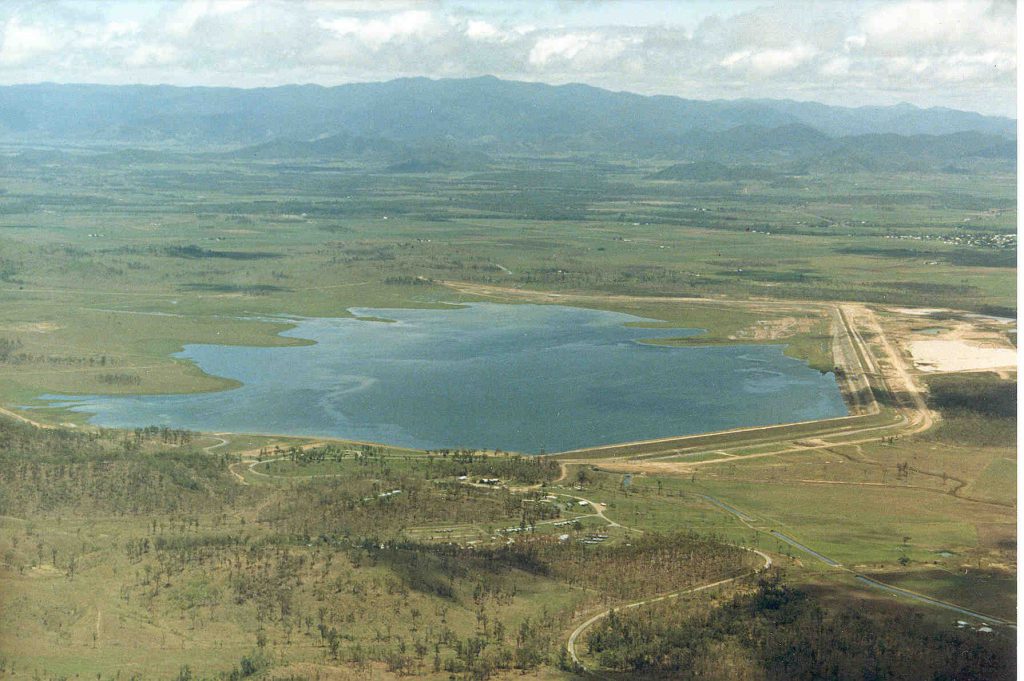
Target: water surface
{"points": [[524, 378]]}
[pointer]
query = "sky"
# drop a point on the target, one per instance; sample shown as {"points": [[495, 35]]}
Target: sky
{"points": [[956, 53]]}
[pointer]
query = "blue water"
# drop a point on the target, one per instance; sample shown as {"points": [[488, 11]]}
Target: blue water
{"points": [[526, 378]]}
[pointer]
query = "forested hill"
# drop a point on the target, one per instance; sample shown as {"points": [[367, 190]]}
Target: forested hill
{"points": [[488, 114]]}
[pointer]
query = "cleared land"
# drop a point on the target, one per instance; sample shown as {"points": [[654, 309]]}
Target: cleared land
{"points": [[955, 355]]}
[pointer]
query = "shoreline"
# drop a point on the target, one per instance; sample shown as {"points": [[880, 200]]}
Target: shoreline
{"points": [[848, 373]]}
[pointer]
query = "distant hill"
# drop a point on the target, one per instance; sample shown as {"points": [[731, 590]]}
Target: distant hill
{"points": [[432, 162], [796, 149], [334, 147], [487, 114], [438, 158], [900, 119], [712, 171], [911, 152]]}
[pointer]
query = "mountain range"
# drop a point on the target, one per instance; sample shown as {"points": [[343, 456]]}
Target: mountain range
{"points": [[413, 121]]}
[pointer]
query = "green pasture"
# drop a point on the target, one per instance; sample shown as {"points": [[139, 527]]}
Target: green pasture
{"points": [[125, 265]]}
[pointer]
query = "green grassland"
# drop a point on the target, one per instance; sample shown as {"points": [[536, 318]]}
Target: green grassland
{"points": [[934, 512], [123, 553], [313, 566], [105, 270], [139, 553]]}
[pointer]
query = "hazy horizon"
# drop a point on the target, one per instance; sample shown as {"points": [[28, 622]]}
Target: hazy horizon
{"points": [[510, 80], [947, 53]]}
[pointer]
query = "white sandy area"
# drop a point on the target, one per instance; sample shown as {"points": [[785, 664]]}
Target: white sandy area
{"points": [[919, 311], [928, 311], [956, 355]]}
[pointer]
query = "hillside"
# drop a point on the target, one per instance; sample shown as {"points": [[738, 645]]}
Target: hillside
{"points": [[487, 113], [712, 171]]}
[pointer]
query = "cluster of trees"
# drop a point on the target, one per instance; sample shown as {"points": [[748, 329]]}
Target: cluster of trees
{"points": [[9, 355], [23, 441], [984, 394], [779, 632], [509, 467], [250, 665], [626, 279], [649, 564], [50, 471], [165, 483], [978, 409], [8, 348], [164, 435], [414, 608], [120, 379], [375, 501], [302, 457]]}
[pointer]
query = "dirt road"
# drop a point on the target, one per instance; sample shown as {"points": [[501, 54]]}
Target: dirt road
{"points": [[24, 419], [570, 645]]}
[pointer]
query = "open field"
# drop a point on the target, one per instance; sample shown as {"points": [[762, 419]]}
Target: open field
{"points": [[173, 579], [865, 495], [148, 551], [105, 271]]}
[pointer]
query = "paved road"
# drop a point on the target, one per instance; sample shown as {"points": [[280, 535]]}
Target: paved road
{"points": [[867, 581], [793, 542], [933, 601]]}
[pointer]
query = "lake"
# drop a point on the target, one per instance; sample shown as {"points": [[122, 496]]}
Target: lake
{"points": [[526, 378]]}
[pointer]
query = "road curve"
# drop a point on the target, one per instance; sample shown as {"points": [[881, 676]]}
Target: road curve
{"points": [[570, 645], [220, 443]]}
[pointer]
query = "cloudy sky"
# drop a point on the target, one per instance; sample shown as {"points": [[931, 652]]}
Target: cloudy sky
{"points": [[958, 53]]}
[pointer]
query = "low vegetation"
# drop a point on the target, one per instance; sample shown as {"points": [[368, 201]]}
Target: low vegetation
{"points": [[780, 632], [978, 409], [165, 553], [156, 553]]}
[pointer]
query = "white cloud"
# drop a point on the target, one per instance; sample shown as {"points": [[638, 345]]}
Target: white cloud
{"points": [[153, 55], [854, 42], [951, 52], [377, 32], [767, 62], [190, 13], [481, 30], [939, 24], [836, 67], [22, 42], [564, 46], [578, 50]]}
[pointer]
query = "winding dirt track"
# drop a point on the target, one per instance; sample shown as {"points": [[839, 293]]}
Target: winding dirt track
{"points": [[248, 460], [24, 419], [570, 645], [220, 442]]}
